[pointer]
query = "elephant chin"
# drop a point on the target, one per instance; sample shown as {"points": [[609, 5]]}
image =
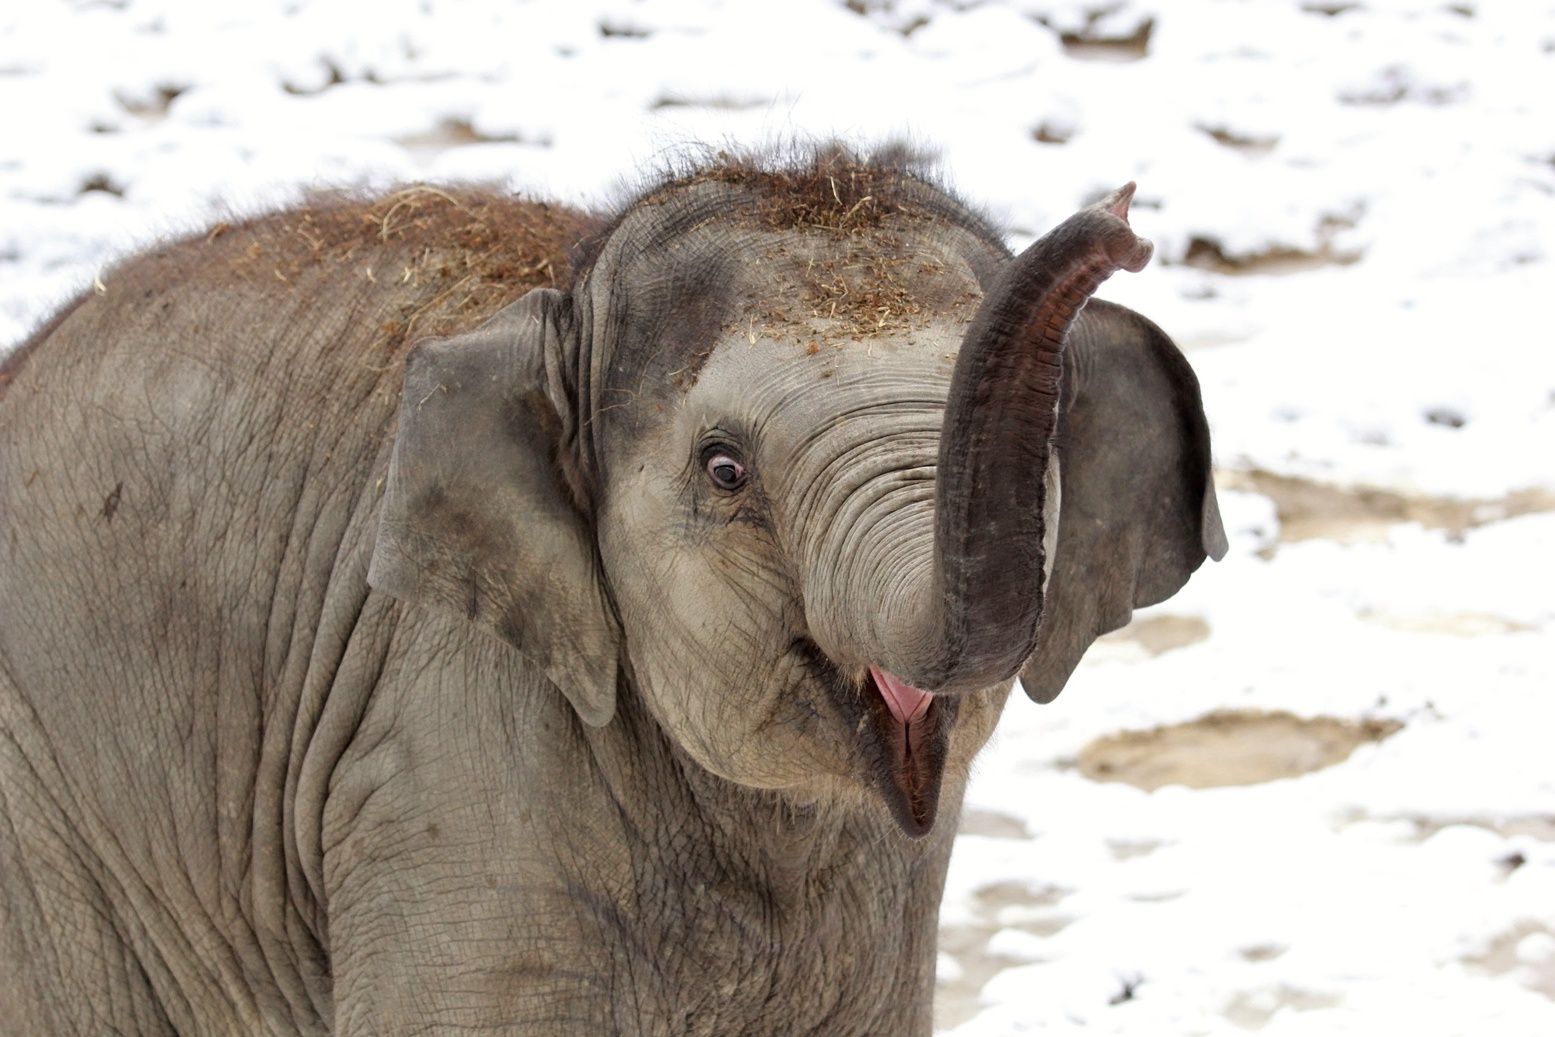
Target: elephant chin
{"points": [[907, 738]]}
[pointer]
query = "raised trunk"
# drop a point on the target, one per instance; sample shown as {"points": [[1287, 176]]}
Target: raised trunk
{"points": [[973, 619]]}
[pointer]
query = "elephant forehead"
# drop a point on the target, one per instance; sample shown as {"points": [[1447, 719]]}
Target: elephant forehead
{"points": [[793, 395], [787, 308]]}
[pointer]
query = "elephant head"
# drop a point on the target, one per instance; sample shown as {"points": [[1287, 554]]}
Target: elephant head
{"points": [[809, 463]]}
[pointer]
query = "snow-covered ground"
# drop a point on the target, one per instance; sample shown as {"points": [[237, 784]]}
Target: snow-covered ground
{"points": [[1354, 208]]}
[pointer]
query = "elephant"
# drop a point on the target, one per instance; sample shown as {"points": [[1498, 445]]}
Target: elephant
{"points": [[441, 611]]}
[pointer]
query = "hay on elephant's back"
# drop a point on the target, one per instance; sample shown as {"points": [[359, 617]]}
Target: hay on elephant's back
{"points": [[450, 256]]}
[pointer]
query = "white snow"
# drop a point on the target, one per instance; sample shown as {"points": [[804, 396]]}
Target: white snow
{"points": [[1382, 175]]}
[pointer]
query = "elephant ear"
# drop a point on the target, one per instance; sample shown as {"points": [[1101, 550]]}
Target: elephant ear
{"points": [[1137, 509], [478, 513]]}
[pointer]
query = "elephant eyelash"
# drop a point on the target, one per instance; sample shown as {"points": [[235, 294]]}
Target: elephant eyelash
{"points": [[714, 440], [713, 447]]}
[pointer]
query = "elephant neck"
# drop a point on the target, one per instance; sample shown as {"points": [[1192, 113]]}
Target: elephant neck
{"points": [[746, 899]]}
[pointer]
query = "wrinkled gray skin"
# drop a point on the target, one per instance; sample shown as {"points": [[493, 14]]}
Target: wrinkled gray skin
{"points": [[479, 707]]}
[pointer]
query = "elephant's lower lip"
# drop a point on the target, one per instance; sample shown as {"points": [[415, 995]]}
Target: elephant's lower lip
{"points": [[909, 761]]}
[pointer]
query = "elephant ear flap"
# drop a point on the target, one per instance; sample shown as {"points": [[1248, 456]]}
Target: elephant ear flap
{"points": [[479, 516], [1137, 508]]}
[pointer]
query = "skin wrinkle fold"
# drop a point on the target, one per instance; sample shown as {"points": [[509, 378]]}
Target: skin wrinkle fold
{"points": [[866, 493], [842, 504]]}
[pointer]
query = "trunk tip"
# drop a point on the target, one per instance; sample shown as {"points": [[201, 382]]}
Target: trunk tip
{"points": [[1128, 250], [1118, 201]]}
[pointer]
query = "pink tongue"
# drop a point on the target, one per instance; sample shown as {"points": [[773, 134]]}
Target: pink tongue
{"points": [[905, 702]]}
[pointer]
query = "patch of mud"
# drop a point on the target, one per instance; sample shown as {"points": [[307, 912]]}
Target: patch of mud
{"points": [[1158, 635], [453, 133], [1212, 255], [710, 102], [992, 824], [101, 182], [884, 12], [1104, 39], [1252, 1011], [1349, 514], [612, 29], [151, 105], [1456, 624], [1398, 83], [1526, 952], [1147, 637], [1124, 850], [1053, 132], [1228, 748], [1244, 143], [1003, 905], [1511, 826]]}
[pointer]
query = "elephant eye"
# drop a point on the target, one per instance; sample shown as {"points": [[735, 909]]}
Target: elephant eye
{"points": [[726, 472]]}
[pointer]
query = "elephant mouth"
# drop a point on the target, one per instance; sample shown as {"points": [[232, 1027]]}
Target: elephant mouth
{"points": [[903, 735], [907, 735]]}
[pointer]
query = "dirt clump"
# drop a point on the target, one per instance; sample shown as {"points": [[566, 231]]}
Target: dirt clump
{"points": [[1229, 747]]}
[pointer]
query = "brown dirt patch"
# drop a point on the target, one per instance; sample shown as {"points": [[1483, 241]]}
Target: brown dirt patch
{"points": [[999, 906], [1309, 510], [1208, 254], [1228, 748], [449, 134], [1246, 143], [1160, 634], [1090, 44], [1211, 254], [992, 824], [1500, 957], [1456, 624]]}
